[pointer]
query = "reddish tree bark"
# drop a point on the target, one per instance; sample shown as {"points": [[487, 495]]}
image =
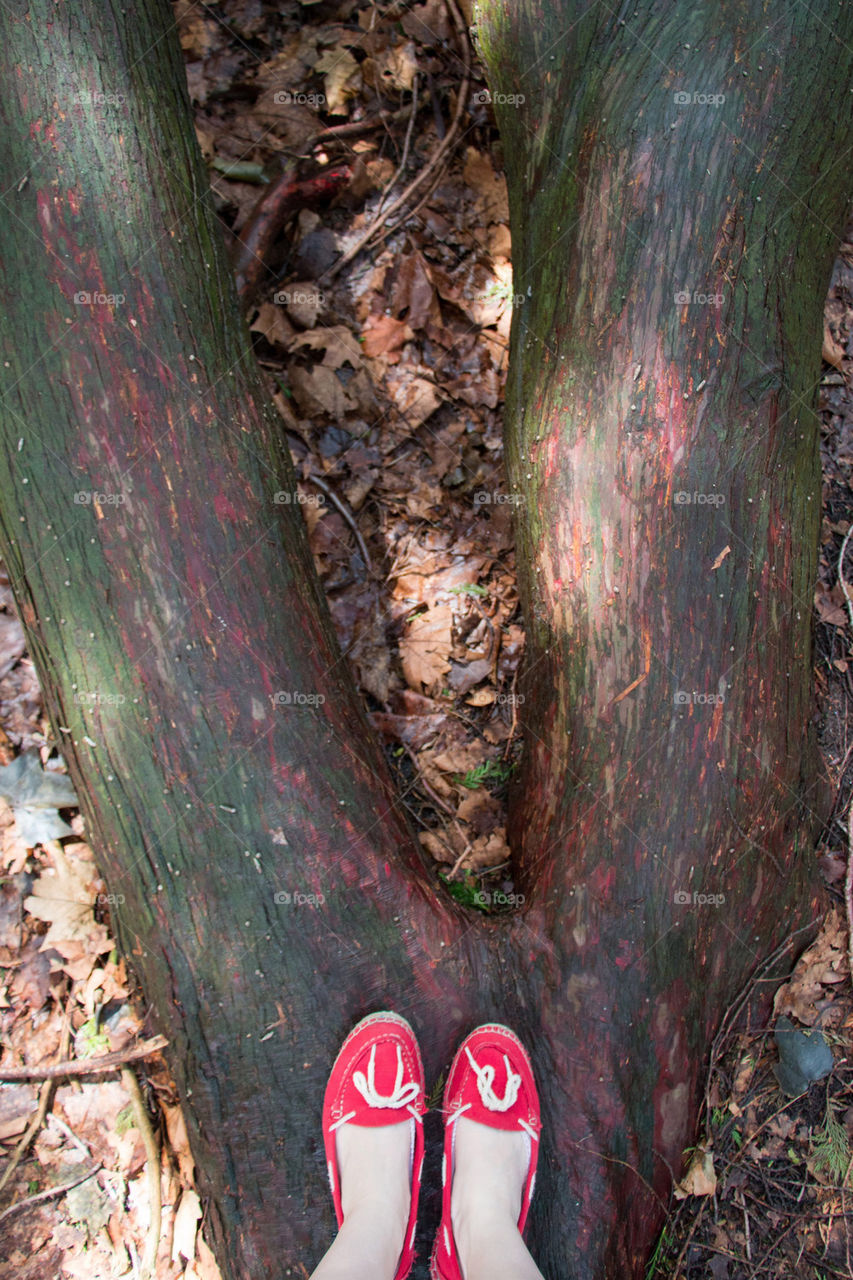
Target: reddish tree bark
{"points": [[273, 892]]}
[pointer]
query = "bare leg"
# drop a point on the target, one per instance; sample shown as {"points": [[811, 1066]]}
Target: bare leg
{"points": [[375, 1178], [489, 1171]]}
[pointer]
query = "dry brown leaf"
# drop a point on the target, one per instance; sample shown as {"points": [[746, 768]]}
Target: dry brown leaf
{"points": [[179, 1141], [415, 398], [273, 324], [823, 964], [341, 78], [12, 642], [395, 68], [462, 758], [340, 346], [491, 194], [64, 896], [384, 335], [444, 847], [720, 558], [319, 390], [414, 292], [828, 611], [425, 648], [185, 1226], [480, 808], [204, 1266], [428, 23], [488, 851], [700, 1178], [415, 731], [304, 302], [833, 352], [465, 676]]}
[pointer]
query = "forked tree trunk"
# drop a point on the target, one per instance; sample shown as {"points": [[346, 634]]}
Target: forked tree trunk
{"points": [[273, 892]]}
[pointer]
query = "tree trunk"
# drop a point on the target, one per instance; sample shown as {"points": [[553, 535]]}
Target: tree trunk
{"points": [[231, 790], [676, 196]]}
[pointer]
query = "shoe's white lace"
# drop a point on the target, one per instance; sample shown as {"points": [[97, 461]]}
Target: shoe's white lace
{"points": [[400, 1096], [485, 1080]]}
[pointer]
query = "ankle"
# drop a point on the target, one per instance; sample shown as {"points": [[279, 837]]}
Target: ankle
{"points": [[484, 1239], [374, 1167]]}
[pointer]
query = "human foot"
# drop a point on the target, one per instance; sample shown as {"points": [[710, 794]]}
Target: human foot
{"points": [[491, 1146], [373, 1135]]}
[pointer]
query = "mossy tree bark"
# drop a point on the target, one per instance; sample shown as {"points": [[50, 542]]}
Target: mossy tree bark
{"points": [[273, 894], [676, 194]]}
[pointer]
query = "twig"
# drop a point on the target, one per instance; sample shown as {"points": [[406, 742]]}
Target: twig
{"points": [[152, 1172], [841, 578], [625, 1165], [404, 160], [347, 515], [430, 166], [512, 727], [54, 1119], [436, 799], [356, 127], [48, 1194], [45, 1098], [86, 1066], [739, 1194]]}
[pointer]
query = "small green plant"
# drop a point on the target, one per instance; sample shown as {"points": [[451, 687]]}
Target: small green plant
{"points": [[499, 289], [831, 1146], [656, 1258], [737, 1138], [468, 589], [434, 1100], [466, 892], [90, 1040], [126, 1119], [489, 771], [718, 1117]]}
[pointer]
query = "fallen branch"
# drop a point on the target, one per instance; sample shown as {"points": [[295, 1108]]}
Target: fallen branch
{"points": [[86, 1066]]}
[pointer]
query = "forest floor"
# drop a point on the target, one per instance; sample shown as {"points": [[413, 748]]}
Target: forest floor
{"points": [[389, 378]]}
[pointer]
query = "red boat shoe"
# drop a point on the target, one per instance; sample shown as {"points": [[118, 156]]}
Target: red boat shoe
{"points": [[491, 1081], [377, 1079]]}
